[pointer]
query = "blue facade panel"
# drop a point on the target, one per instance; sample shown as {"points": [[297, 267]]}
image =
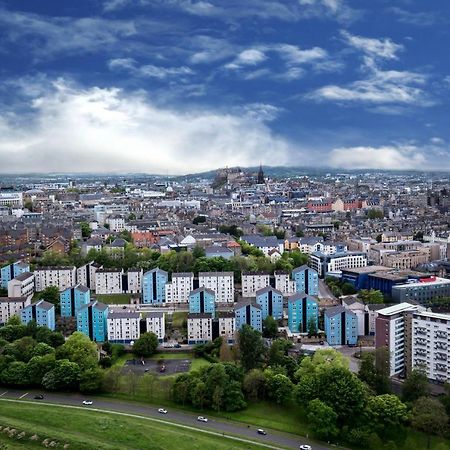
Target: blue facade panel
{"points": [[271, 303], [153, 286]]}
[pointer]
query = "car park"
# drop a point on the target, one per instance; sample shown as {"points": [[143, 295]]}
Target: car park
{"points": [[202, 419], [162, 411]]}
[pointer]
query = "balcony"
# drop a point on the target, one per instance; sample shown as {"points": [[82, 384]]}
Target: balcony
{"points": [[440, 346], [441, 368], [441, 356], [420, 341], [420, 332], [441, 334], [420, 352]]}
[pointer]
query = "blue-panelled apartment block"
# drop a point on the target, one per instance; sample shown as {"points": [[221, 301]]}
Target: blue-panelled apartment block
{"points": [[341, 326], [202, 300], [12, 271], [91, 321], [306, 280], [271, 302], [153, 286], [302, 308], [42, 312], [72, 299], [248, 313]]}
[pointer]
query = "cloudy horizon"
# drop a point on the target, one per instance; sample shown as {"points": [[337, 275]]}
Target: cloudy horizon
{"points": [[184, 86]]}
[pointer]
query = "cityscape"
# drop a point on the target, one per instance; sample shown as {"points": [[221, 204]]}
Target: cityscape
{"points": [[224, 224]]}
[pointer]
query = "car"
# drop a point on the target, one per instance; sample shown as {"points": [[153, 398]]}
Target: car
{"points": [[305, 447], [87, 402], [38, 397], [202, 419], [177, 346], [146, 370], [163, 368], [261, 431], [162, 411]]}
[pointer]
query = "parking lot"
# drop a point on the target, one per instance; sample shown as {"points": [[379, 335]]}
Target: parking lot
{"points": [[172, 366]]}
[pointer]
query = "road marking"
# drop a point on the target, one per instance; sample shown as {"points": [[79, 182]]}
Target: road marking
{"points": [[22, 396], [152, 419], [1, 395]]}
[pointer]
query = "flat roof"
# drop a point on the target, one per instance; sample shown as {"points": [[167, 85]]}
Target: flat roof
{"points": [[367, 269], [395, 309]]}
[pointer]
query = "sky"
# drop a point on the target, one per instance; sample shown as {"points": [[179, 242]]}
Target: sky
{"points": [[184, 86]]}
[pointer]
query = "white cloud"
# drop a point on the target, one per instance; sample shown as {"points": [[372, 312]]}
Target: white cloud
{"points": [[148, 70], [102, 130], [376, 48], [294, 55], [250, 57], [386, 157], [437, 141]]}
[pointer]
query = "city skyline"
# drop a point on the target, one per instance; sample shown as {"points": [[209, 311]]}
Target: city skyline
{"points": [[180, 87]]}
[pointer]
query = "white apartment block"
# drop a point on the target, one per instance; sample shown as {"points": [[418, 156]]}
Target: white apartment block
{"points": [[86, 275], [61, 277], [284, 283], [430, 344], [227, 326], [123, 326], [22, 286], [108, 281], [178, 290], [199, 328], [336, 262], [11, 306], [134, 277], [116, 223], [252, 282], [155, 322], [222, 283], [11, 199]]}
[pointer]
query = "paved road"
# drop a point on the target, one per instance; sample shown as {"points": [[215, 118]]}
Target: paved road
{"points": [[224, 427], [324, 291]]}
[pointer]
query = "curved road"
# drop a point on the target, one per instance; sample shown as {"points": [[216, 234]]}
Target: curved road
{"points": [[273, 439]]}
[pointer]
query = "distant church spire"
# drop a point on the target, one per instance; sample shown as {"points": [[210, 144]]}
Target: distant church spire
{"points": [[260, 175]]}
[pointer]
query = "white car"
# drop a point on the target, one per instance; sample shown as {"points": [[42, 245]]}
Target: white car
{"points": [[87, 402], [305, 447], [162, 411], [202, 419]]}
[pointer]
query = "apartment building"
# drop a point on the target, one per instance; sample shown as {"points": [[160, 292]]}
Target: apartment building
{"points": [[226, 324], [11, 306], [254, 281], [42, 312], [247, 312], [132, 282], [222, 283], [284, 283], [116, 223], [153, 286], [7, 273], [271, 302], [86, 274], [22, 285], [341, 326], [407, 260], [92, 321], [108, 281], [178, 290], [123, 326], [155, 323], [71, 300], [336, 262], [390, 333], [61, 277], [202, 300], [199, 327], [302, 309], [422, 290], [306, 280]]}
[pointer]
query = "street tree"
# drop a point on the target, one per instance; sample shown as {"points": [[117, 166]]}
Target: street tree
{"points": [[146, 345]]}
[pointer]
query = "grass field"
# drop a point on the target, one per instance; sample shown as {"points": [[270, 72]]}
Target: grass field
{"points": [[168, 355], [85, 430], [114, 299]]}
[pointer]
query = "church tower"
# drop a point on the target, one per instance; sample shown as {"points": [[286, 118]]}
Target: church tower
{"points": [[260, 175]]}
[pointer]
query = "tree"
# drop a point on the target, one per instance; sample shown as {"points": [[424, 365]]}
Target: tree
{"points": [[198, 252], [375, 214], [51, 294], [79, 349], [254, 385], [225, 352], [321, 360], [278, 352], [11, 333], [21, 349], [233, 397], [181, 388], [85, 230], [371, 296], [415, 386], [386, 412], [312, 326], [323, 419], [91, 380], [374, 370], [131, 216], [279, 387], [64, 376], [429, 416], [38, 366], [198, 394], [270, 327], [348, 289], [146, 345], [199, 219], [251, 347], [15, 374]]}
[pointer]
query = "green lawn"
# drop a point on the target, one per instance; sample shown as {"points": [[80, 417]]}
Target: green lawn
{"points": [[85, 430], [178, 318], [114, 299], [169, 355]]}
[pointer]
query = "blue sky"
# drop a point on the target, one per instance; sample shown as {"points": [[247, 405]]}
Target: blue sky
{"points": [[177, 86]]}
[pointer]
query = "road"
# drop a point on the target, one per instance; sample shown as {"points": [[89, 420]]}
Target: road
{"points": [[226, 428], [324, 291]]}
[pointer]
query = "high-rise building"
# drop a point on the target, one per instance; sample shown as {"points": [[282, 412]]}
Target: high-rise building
{"points": [[302, 309], [153, 286], [271, 302]]}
